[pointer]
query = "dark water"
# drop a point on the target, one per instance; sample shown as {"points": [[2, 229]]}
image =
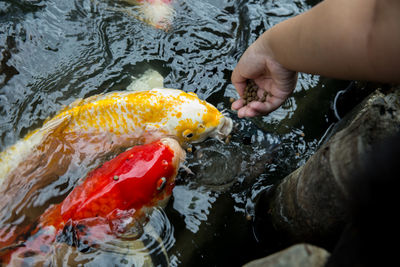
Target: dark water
{"points": [[52, 52]]}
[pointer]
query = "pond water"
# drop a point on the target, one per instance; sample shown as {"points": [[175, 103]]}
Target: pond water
{"points": [[53, 52]]}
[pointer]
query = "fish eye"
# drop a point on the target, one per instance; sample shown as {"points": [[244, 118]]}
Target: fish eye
{"points": [[201, 126], [161, 183], [188, 134]]}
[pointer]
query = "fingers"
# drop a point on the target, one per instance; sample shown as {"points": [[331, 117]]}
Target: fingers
{"points": [[264, 108], [238, 81], [237, 104], [256, 108], [247, 112]]}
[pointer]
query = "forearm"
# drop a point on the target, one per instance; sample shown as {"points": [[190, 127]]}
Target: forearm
{"points": [[346, 39]]}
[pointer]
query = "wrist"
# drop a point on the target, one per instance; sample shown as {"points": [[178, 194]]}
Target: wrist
{"points": [[262, 46]]}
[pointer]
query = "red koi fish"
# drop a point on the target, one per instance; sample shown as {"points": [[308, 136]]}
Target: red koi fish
{"points": [[104, 205]]}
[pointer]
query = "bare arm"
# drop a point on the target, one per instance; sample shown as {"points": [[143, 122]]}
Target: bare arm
{"points": [[356, 39], [345, 39]]}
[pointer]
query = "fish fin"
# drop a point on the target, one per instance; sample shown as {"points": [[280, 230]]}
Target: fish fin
{"points": [[186, 168], [76, 103], [127, 224], [148, 80], [131, 231], [56, 124]]}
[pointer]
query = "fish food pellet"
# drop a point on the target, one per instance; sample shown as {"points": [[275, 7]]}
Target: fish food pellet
{"points": [[264, 97], [250, 93]]}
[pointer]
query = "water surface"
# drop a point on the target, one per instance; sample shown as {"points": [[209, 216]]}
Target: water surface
{"points": [[53, 52]]}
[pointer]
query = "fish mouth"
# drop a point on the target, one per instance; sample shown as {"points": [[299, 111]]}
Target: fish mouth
{"points": [[224, 128]]}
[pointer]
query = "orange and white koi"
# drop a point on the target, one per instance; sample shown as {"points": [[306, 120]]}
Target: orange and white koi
{"points": [[106, 204], [91, 127]]}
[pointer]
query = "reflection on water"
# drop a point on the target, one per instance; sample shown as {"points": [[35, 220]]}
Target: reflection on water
{"points": [[194, 204], [53, 52], [149, 248]]}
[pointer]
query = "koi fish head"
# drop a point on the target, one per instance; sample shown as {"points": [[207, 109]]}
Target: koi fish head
{"points": [[139, 178], [189, 118]]}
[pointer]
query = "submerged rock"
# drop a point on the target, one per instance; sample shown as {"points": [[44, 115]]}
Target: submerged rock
{"points": [[297, 255]]}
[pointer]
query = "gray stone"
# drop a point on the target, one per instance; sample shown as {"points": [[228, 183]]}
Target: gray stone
{"points": [[295, 256]]}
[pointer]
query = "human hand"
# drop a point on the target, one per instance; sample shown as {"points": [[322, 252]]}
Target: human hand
{"points": [[257, 63]]}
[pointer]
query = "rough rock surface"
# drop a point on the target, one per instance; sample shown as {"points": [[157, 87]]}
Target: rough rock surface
{"points": [[295, 256]]}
